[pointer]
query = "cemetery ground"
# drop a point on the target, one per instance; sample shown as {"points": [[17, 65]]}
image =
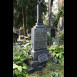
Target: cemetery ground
{"points": [[53, 68], [41, 54]]}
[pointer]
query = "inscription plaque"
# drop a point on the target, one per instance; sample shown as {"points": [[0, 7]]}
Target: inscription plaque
{"points": [[42, 58], [39, 40]]}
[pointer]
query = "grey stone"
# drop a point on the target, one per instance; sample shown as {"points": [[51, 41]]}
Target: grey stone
{"points": [[39, 50], [38, 41], [37, 68], [31, 70], [36, 53], [40, 68], [42, 58], [35, 63], [39, 37], [39, 13]]}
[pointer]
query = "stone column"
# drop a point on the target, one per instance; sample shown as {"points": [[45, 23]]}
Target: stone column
{"points": [[39, 13]]}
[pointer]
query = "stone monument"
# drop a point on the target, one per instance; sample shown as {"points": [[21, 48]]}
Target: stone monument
{"points": [[39, 37], [39, 50]]}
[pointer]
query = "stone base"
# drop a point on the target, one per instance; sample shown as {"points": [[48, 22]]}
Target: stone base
{"points": [[32, 70], [36, 53]]}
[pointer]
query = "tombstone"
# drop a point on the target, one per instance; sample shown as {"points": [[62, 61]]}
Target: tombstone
{"points": [[39, 36], [39, 50]]}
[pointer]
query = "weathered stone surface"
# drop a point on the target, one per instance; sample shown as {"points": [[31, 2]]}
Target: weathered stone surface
{"points": [[39, 38], [42, 58], [39, 42], [36, 53], [40, 68], [35, 63], [31, 70], [39, 13]]}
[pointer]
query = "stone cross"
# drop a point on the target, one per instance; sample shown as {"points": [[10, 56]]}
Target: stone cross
{"points": [[39, 13]]}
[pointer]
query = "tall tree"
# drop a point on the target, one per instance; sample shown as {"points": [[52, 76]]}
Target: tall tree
{"points": [[17, 15], [23, 4], [25, 13]]}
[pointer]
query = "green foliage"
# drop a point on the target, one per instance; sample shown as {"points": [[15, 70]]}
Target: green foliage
{"points": [[17, 17], [51, 74], [61, 74], [59, 14], [55, 21], [27, 47], [44, 7], [61, 11], [62, 36], [52, 70], [30, 7], [49, 64], [58, 52], [20, 67]]}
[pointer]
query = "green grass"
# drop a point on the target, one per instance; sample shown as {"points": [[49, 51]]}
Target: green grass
{"points": [[49, 71]]}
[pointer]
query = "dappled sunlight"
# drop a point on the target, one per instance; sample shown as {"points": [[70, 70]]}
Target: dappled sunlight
{"points": [[38, 38]]}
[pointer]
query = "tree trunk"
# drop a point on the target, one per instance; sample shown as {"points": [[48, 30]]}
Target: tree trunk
{"points": [[24, 21], [49, 12], [49, 15]]}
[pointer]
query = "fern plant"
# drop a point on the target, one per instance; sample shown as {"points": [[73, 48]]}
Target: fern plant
{"points": [[58, 52]]}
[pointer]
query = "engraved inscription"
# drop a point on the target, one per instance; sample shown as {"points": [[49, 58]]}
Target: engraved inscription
{"points": [[40, 41], [42, 58]]}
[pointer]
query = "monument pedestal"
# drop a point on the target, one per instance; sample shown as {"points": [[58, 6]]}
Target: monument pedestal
{"points": [[39, 41], [36, 53]]}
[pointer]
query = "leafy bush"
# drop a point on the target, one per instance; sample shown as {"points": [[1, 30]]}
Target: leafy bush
{"points": [[56, 17], [49, 64], [51, 74], [19, 71], [62, 36], [20, 57], [58, 52]]}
